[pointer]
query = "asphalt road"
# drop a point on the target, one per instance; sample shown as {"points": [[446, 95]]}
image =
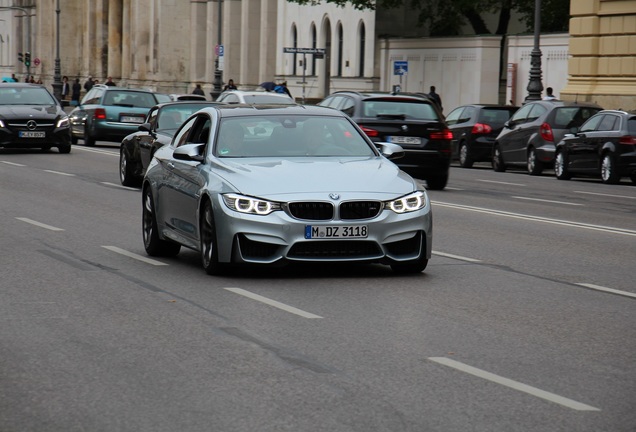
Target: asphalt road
{"points": [[523, 321]]}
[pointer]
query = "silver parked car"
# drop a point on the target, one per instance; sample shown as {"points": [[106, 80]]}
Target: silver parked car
{"points": [[272, 184]]}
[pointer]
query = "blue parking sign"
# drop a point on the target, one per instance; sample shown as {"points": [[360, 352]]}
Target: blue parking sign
{"points": [[400, 67]]}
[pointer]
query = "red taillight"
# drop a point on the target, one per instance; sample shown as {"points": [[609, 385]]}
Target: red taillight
{"points": [[546, 132], [627, 140], [442, 135], [481, 128], [370, 132], [100, 114]]}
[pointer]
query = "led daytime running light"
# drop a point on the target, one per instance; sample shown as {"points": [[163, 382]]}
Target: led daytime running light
{"points": [[409, 203], [249, 205]]}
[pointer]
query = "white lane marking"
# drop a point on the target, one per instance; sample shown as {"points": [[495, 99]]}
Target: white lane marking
{"points": [[602, 228], [133, 255], [569, 403], [608, 290], [547, 201], [60, 173], [119, 186], [605, 195], [452, 188], [447, 255], [13, 163], [271, 302], [92, 150], [39, 224], [500, 182]]}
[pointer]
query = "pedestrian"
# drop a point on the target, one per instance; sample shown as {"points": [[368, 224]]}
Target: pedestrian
{"points": [[75, 92], [230, 85], [549, 94], [89, 84], [436, 97], [198, 90], [65, 87], [282, 88], [14, 78], [109, 82], [32, 79]]}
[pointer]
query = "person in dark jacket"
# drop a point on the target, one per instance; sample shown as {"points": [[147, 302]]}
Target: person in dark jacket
{"points": [[75, 92], [436, 98]]}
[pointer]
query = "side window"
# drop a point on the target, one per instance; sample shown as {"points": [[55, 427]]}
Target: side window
{"points": [[521, 115], [466, 115], [152, 118], [327, 102], [591, 124], [537, 111], [608, 123], [347, 106], [453, 117], [182, 135]]}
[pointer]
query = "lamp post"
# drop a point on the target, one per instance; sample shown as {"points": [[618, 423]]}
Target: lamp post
{"points": [[218, 73], [57, 78], [535, 87]]}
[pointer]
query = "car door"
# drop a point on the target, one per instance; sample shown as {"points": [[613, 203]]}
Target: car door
{"points": [[532, 126], [186, 181], [452, 120], [580, 149], [145, 140], [510, 137]]}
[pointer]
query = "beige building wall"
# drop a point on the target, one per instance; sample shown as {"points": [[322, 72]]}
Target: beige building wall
{"points": [[602, 66]]}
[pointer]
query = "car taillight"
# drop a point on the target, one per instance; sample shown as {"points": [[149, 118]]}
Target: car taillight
{"points": [[481, 128], [627, 140], [100, 114], [442, 135], [546, 132], [370, 132]]}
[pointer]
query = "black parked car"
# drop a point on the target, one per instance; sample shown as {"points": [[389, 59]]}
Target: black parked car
{"points": [[605, 146], [529, 138], [161, 123], [475, 128], [412, 121], [31, 117]]}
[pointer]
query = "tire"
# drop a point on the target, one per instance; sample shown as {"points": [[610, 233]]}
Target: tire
{"points": [[74, 139], [88, 140], [414, 266], [126, 171], [209, 242], [45, 149], [535, 166], [561, 167], [64, 148], [609, 173], [633, 178], [437, 182], [152, 243], [497, 161], [465, 159]]}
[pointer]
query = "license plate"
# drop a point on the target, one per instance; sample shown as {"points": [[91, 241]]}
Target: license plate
{"points": [[329, 232], [132, 119], [32, 134], [405, 140]]}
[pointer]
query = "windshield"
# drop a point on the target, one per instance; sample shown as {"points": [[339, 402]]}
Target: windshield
{"points": [[569, 117], [268, 99], [289, 136], [26, 96]]}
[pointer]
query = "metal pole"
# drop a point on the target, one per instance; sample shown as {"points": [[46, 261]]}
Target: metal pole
{"points": [[57, 78], [535, 87], [218, 74]]}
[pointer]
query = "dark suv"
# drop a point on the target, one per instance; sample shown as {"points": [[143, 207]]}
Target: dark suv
{"points": [[110, 113], [605, 147], [412, 121], [529, 138]]}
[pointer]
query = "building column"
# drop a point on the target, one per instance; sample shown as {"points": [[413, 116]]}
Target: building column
{"points": [[115, 18]]}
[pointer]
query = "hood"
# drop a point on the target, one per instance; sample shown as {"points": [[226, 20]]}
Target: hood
{"points": [[275, 179], [48, 112]]}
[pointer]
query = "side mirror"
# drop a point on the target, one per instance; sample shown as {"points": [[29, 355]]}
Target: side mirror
{"points": [[189, 152], [574, 130], [146, 127], [389, 150]]}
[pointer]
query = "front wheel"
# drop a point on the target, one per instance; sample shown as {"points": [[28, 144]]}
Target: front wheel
{"points": [[561, 167], [74, 139], [64, 148], [497, 161], [437, 182], [88, 140], [465, 159], [209, 243], [609, 173], [535, 166], [152, 243], [410, 267], [126, 170]]}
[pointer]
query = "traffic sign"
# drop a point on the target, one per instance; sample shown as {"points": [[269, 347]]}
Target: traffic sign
{"points": [[219, 50], [36, 61], [304, 50], [400, 67]]}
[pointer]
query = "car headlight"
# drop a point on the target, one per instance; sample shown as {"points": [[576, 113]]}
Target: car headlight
{"points": [[250, 205], [63, 122], [409, 203], [2, 124]]}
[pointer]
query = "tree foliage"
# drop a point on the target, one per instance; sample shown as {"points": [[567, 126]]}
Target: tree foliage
{"points": [[446, 17]]}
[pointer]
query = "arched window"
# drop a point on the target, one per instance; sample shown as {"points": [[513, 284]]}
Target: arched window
{"points": [[340, 44], [362, 44], [294, 36], [314, 44]]}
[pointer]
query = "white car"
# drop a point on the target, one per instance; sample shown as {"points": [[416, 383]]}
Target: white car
{"points": [[254, 97]]}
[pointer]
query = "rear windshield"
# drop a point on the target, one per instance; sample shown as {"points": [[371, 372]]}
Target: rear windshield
{"points": [[569, 117], [495, 115], [398, 109], [130, 99], [631, 126]]}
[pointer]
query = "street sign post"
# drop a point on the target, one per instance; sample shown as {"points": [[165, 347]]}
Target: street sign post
{"points": [[316, 52], [400, 68]]}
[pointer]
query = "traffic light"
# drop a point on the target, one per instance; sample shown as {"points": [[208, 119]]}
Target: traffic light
{"points": [[20, 57], [27, 59]]}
